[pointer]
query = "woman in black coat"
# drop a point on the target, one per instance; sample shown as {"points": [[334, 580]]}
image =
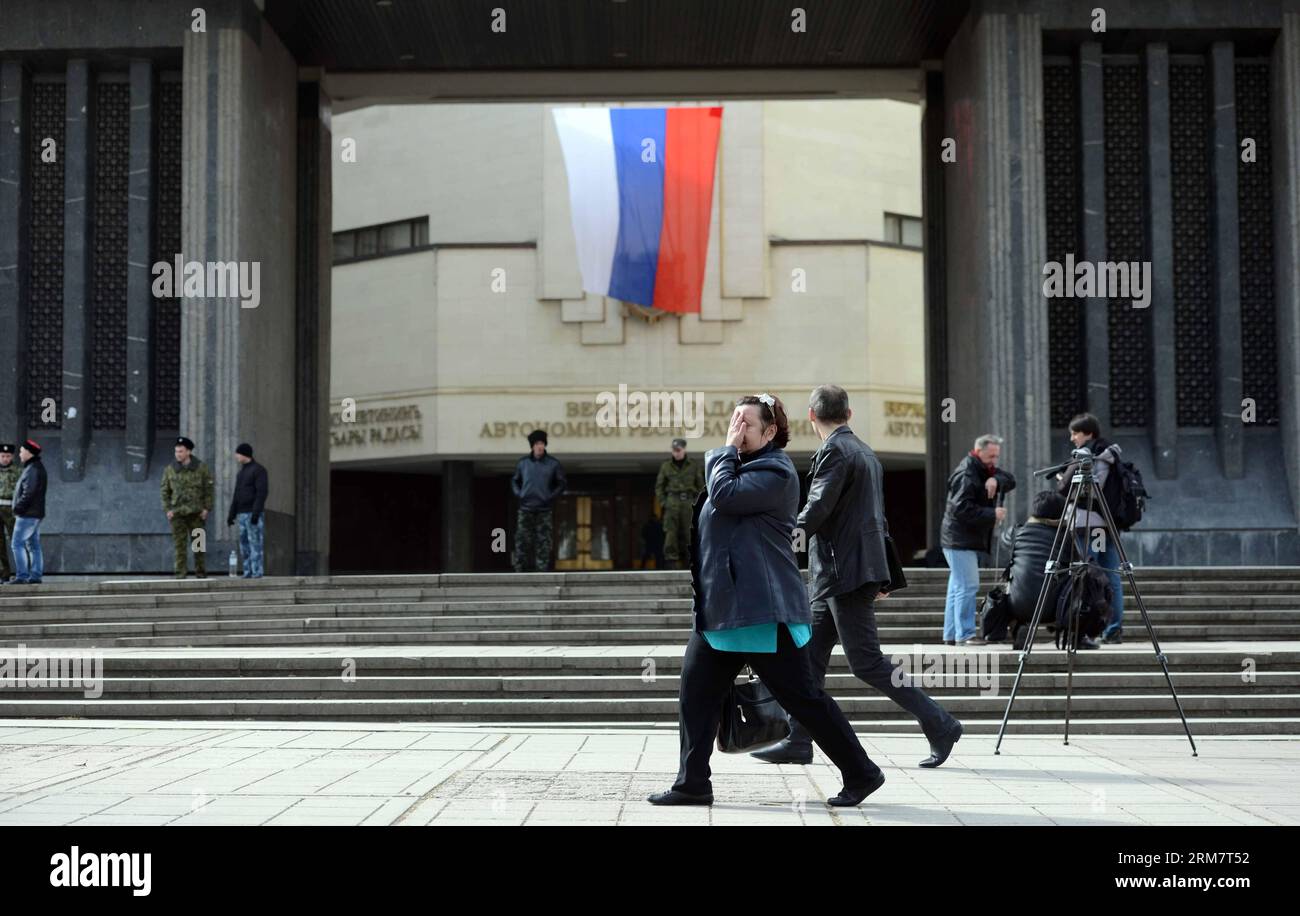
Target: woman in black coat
{"points": [[751, 607]]}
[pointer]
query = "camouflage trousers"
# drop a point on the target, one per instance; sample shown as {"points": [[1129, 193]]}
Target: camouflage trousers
{"points": [[183, 527], [533, 540], [677, 531], [7, 531]]}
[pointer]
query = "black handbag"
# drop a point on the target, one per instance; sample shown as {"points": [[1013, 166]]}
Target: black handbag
{"points": [[751, 718], [896, 578]]}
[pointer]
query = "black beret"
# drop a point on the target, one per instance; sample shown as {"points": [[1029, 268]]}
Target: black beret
{"points": [[188, 443], [7, 448]]}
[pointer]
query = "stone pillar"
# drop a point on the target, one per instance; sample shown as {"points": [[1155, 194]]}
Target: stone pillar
{"points": [[1162, 423], [1092, 161], [457, 516], [239, 192], [1286, 234], [78, 257], [1225, 241], [933, 174], [15, 248], [142, 184], [996, 242], [315, 257]]}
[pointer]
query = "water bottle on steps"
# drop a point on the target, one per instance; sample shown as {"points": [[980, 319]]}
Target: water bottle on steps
{"points": [[234, 564]]}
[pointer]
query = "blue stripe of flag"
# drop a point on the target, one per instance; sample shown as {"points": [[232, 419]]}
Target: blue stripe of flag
{"points": [[640, 202]]}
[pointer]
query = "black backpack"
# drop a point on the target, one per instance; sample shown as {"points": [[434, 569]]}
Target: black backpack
{"points": [[1125, 494], [1094, 612]]}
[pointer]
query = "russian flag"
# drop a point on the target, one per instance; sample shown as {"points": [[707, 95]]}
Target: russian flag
{"points": [[641, 191]]}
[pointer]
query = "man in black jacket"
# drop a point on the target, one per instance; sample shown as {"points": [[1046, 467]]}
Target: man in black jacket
{"points": [[968, 520], [29, 511], [844, 520], [538, 480], [1030, 548], [246, 507]]}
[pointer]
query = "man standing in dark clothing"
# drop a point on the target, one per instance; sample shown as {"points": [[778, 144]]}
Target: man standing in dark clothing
{"points": [[29, 511], [538, 480], [246, 507], [848, 566], [968, 520]]}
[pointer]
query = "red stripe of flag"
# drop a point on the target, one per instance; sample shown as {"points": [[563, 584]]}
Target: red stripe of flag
{"points": [[690, 153]]}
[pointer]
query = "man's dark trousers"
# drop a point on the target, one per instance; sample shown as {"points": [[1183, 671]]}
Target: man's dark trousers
{"points": [[851, 618]]}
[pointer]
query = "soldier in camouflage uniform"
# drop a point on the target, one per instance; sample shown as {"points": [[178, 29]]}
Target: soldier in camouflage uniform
{"points": [[187, 494], [680, 480], [10, 471]]}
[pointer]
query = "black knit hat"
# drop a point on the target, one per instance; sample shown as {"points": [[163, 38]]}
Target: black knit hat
{"points": [[244, 449], [537, 435], [188, 443]]}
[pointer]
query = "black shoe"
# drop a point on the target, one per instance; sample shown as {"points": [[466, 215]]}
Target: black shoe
{"points": [[1113, 640], [785, 752], [950, 642], [1088, 643], [851, 796], [673, 797], [940, 748]]}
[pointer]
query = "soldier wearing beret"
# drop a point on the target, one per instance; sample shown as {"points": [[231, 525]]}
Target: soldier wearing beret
{"points": [[187, 495], [10, 471], [680, 480]]}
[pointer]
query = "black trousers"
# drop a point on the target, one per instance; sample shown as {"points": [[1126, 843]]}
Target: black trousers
{"points": [[706, 676], [851, 618]]}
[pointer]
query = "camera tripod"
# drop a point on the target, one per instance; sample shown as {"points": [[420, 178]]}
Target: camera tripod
{"points": [[1069, 556]]}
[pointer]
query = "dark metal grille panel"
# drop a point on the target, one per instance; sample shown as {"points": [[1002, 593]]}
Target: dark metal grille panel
{"points": [[1194, 333], [45, 327], [1130, 328], [112, 169], [167, 313], [1065, 315], [1255, 222]]}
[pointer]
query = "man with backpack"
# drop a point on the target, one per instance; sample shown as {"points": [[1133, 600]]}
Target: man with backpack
{"points": [[1121, 496]]}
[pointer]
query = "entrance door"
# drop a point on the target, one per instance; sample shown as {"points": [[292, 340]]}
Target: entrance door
{"points": [[584, 531]]}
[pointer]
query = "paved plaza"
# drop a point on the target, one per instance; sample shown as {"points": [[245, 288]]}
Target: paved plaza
{"points": [[84, 773]]}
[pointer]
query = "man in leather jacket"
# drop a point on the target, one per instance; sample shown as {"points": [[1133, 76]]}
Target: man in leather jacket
{"points": [[844, 520]]}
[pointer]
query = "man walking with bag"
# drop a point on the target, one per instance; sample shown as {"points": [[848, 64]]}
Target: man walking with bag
{"points": [[844, 520]]}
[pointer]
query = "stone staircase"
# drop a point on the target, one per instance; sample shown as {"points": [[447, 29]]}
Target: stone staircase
{"points": [[580, 648]]}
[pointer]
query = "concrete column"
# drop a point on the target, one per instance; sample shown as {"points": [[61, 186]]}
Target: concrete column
{"points": [[457, 516], [142, 184], [78, 257], [1092, 160], [238, 191], [15, 248], [996, 242], [315, 254], [1286, 235], [933, 175], [1225, 240], [1162, 422]]}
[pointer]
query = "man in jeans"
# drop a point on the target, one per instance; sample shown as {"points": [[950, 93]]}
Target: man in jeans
{"points": [[844, 521], [538, 480], [968, 520], [29, 511], [246, 507]]}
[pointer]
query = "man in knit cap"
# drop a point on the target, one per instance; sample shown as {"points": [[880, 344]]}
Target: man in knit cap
{"points": [[247, 505], [29, 512]]}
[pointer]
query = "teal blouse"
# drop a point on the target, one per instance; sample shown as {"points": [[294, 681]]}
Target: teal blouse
{"points": [[761, 637]]}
